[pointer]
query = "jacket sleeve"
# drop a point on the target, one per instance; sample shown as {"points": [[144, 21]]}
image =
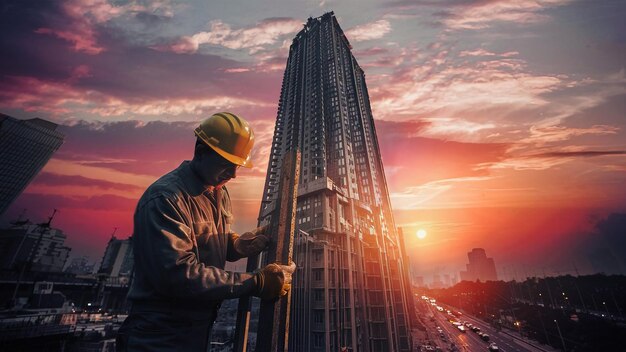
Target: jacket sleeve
{"points": [[167, 253], [231, 253]]}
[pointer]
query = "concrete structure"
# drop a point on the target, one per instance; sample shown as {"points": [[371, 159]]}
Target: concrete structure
{"points": [[118, 258], [25, 147], [80, 266], [479, 267], [44, 247], [350, 288]]}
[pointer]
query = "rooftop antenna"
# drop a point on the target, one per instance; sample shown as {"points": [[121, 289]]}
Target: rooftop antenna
{"points": [[114, 231], [46, 225]]}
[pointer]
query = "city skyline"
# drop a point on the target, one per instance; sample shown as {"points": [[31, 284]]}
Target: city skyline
{"points": [[500, 125]]}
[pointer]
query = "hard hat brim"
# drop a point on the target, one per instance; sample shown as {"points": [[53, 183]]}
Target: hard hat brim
{"points": [[247, 163]]}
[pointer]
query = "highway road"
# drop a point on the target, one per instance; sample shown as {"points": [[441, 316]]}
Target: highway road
{"points": [[452, 339]]}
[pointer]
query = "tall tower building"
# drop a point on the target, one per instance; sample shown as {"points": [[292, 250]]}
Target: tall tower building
{"points": [[479, 267], [25, 147], [350, 288]]}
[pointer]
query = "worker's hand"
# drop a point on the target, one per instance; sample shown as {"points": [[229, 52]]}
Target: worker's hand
{"points": [[252, 243], [274, 280]]}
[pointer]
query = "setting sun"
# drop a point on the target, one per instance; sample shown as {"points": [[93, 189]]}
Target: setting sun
{"points": [[421, 234]]}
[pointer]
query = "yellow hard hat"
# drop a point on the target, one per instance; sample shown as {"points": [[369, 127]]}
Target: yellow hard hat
{"points": [[229, 135]]}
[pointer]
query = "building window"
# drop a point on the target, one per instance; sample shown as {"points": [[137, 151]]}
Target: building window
{"points": [[318, 340], [317, 274]]}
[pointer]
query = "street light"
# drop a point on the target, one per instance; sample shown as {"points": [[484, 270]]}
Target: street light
{"points": [[560, 335]]}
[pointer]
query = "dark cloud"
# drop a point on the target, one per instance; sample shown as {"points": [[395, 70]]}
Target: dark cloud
{"points": [[24, 52], [125, 70], [151, 20]]}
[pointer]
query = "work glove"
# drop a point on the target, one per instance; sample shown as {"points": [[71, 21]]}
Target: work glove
{"points": [[251, 243], [274, 280]]}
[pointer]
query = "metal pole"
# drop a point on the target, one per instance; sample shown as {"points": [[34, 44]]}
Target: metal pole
{"points": [[560, 335], [273, 333]]}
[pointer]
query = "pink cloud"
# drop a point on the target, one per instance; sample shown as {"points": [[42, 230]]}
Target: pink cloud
{"points": [[370, 52], [369, 31], [63, 97], [32, 94], [237, 70], [440, 89], [82, 37], [254, 38], [483, 52], [484, 13]]}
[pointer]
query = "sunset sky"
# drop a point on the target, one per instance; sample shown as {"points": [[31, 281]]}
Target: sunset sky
{"points": [[502, 124]]}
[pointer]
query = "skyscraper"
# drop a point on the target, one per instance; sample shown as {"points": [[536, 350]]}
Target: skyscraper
{"points": [[350, 288], [479, 267], [25, 147]]}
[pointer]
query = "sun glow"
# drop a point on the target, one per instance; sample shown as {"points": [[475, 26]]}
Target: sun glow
{"points": [[421, 234]]}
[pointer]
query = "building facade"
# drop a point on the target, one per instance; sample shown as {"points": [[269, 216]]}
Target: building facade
{"points": [[42, 248], [80, 266], [479, 267], [118, 258], [350, 288], [25, 147]]}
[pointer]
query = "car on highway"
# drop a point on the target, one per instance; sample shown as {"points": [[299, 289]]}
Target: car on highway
{"points": [[475, 329], [493, 347], [461, 328], [485, 337]]}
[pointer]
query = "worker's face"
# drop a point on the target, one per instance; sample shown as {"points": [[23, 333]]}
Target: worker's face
{"points": [[215, 170], [223, 172]]}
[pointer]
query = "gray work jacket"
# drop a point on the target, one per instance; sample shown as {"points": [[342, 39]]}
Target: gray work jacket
{"points": [[181, 242]]}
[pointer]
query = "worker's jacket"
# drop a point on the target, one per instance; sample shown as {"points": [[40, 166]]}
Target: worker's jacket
{"points": [[181, 242]]}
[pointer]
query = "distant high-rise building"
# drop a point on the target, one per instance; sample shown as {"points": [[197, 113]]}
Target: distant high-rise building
{"points": [[418, 281], [446, 280], [350, 289], [118, 258], [25, 147], [43, 247], [479, 267], [437, 283]]}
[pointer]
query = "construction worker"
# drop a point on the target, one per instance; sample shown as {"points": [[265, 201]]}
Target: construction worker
{"points": [[182, 240]]}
